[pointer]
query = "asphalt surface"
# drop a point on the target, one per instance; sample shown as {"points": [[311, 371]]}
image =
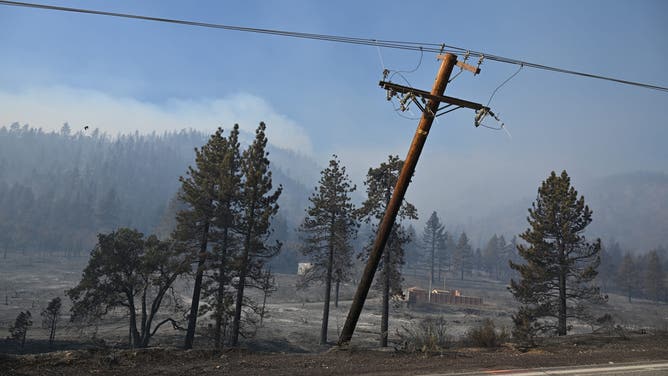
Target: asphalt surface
{"points": [[659, 368]]}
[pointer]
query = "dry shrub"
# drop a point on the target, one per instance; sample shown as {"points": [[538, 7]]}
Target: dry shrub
{"points": [[486, 335], [427, 336]]}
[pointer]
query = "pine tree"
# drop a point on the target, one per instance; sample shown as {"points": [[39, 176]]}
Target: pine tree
{"points": [[655, 285], [380, 183], [412, 249], [560, 264], [611, 255], [50, 317], [258, 205], [268, 287], [444, 250], [228, 192], [496, 256], [432, 237], [463, 256], [508, 254], [19, 330], [327, 231], [490, 257], [108, 210], [477, 260], [627, 276], [194, 225]]}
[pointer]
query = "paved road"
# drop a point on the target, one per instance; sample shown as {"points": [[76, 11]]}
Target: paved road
{"points": [[659, 368]]}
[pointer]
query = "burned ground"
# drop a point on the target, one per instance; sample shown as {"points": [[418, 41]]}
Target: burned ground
{"points": [[287, 343]]}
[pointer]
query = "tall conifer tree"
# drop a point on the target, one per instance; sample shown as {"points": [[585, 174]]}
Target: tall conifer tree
{"points": [[432, 237], [327, 231], [258, 205], [560, 263], [380, 182], [228, 190], [195, 224], [655, 285], [463, 256], [627, 276]]}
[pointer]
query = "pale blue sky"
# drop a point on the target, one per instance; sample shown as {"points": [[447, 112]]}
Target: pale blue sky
{"points": [[323, 97]]}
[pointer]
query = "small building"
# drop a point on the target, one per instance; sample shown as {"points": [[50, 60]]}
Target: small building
{"points": [[417, 295], [304, 267]]}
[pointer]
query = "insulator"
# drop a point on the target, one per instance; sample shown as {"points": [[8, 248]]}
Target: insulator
{"points": [[479, 116]]}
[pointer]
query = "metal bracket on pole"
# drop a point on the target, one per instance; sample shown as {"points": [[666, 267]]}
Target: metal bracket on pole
{"points": [[412, 92]]}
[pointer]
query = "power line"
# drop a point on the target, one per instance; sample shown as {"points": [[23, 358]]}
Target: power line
{"points": [[503, 83], [393, 44]]}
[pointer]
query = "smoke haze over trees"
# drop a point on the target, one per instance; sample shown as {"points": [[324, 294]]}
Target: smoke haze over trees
{"points": [[58, 190]]}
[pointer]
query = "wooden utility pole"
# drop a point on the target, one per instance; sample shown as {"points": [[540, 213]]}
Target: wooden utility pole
{"points": [[444, 72]]}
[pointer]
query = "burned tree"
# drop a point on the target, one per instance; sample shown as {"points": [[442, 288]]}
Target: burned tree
{"points": [[559, 263], [327, 230]]}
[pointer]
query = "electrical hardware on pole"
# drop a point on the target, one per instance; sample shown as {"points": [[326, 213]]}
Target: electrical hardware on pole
{"points": [[428, 115], [429, 103]]}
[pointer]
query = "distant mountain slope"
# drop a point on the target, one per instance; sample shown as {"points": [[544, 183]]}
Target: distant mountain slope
{"points": [[631, 208], [58, 190]]}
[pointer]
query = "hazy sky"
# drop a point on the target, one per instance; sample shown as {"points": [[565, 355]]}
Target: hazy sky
{"points": [[322, 98]]}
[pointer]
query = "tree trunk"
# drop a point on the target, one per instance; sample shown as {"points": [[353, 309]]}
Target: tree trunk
{"points": [[52, 334], [220, 297], [433, 246], [328, 288], [264, 304], [143, 317], [561, 329], [440, 267], [194, 306], [384, 320], [236, 324], [145, 334], [336, 293], [133, 322]]}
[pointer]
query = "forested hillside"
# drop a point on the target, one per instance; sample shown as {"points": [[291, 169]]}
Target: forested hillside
{"points": [[58, 190], [631, 208]]}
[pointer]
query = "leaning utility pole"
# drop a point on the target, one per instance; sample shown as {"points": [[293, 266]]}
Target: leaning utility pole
{"points": [[405, 176]]}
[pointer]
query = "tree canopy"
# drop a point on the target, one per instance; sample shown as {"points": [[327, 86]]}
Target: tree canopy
{"points": [[560, 265], [328, 228], [126, 270]]}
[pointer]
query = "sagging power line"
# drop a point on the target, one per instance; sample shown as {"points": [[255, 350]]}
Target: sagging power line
{"points": [[401, 45]]}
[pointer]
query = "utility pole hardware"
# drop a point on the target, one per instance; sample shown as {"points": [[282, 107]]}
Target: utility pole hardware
{"points": [[429, 112]]}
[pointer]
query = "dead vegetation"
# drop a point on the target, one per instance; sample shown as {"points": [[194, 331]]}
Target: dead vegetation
{"points": [[570, 350], [427, 337]]}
